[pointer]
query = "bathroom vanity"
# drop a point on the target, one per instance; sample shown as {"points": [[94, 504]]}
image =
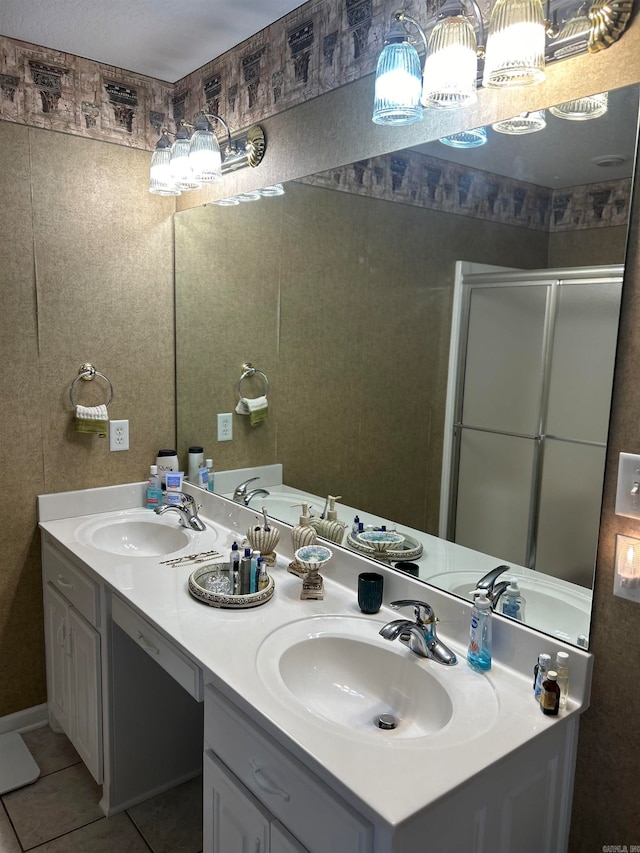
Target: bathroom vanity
{"points": [[275, 705]]}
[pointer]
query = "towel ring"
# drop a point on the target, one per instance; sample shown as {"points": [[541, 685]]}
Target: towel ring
{"points": [[87, 372], [249, 370]]}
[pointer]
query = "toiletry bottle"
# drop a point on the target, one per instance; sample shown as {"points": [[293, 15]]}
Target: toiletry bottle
{"points": [[154, 489], [196, 455], [550, 694], [562, 668], [263, 577], [255, 570], [303, 534], [544, 663], [210, 475], [245, 572], [167, 461], [234, 568], [356, 522], [512, 603], [479, 653]]}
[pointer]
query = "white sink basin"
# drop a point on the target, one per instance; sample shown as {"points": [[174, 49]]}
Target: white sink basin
{"points": [[341, 672], [555, 606], [140, 535]]}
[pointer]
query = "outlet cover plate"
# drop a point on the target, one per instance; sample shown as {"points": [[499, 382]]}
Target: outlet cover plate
{"points": [[118, 435], [225, 427]]}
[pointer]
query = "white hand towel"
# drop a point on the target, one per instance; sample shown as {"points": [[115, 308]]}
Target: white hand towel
{"points": [[92, 413], [246, 405]]}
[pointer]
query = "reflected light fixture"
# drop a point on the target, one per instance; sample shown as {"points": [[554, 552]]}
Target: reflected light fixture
{"points": [[521, 124], [628, 561], [466, 138]]}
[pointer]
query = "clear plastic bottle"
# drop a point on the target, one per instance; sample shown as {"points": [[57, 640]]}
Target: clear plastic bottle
{"points": [[154, 489], [479, 652], [544, 664], [263, 577], [512, 603], [210, 474], [562, 668]]}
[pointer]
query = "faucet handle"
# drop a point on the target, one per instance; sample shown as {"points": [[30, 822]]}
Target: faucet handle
{"points": [[422, 610]]}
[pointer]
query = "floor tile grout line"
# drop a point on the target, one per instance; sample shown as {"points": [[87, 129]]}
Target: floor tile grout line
{"points": [[62, 835], [139, 831], [15, 831]]}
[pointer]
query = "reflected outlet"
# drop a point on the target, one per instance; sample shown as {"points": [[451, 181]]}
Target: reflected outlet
{"points": [[225, 427]]}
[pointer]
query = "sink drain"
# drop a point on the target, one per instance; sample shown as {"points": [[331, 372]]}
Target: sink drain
{"points": [[386, 721]]}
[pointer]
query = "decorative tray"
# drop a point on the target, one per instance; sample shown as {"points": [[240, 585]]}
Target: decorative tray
{"points": [[410, 549], [197, 588]]}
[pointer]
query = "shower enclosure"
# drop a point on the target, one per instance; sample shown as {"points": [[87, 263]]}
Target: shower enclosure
{"points": [[527, 417]]}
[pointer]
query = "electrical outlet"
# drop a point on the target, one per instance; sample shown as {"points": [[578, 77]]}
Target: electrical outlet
{"points": [[225, 427], [118, 435]]}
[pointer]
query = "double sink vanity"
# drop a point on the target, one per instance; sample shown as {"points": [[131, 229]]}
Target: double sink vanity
{"points": [[277, 705]]}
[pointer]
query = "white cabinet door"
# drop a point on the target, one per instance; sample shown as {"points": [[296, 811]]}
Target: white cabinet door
{"points": [[234, 821], [57, 649], [86, 706], [282, 841]]}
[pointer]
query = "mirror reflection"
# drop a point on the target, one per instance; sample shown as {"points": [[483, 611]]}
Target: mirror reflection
{"points": [[347, 292]]}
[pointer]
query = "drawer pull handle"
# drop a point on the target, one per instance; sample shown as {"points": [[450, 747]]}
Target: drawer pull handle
{"points": [[60, 635], [64, 583], [265, 785], [147, 645]]}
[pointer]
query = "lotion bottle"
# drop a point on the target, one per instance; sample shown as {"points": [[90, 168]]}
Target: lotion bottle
{"points": [[544, 664], [479, 653], [562, 668]]}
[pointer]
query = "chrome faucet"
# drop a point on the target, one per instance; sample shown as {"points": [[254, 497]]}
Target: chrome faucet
{"points": [[242, 496], [494, 590], [419, 636], [187, 512]]}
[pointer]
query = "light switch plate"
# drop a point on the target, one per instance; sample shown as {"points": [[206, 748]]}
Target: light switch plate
{"points": [[628, 491]]}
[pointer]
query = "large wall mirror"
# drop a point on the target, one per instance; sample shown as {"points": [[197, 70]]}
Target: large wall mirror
{"points": [[343, 290]]}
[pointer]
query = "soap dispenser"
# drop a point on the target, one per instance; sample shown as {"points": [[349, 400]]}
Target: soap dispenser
{"points": [[329, 527], [302, 534], [512, 603], [479, 653]]}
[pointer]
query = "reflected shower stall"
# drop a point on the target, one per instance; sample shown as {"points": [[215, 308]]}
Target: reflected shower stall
{"points": [[528, 411]]}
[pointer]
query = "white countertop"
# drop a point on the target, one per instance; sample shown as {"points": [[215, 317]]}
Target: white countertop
{"points": [[226, 645]]}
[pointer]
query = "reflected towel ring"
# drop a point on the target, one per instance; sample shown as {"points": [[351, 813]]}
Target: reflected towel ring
{"points": [[249, 370], [87, 372]]}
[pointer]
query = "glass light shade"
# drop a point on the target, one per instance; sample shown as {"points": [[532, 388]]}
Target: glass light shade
{"points": [[582, 109], [205, 157], [181, 170], [161, 181], [515, 45], [268, 192], [628, 561], [524, 123], [398, 85], [466, 138], [451, 67]]}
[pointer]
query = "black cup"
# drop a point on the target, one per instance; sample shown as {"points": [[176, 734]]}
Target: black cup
{"points": [[370, 591], [409, 568]]}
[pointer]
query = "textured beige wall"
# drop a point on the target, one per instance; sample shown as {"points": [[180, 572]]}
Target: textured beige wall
{"points": [[345, 302], [86, 275], [588, 246], [607, 788]]}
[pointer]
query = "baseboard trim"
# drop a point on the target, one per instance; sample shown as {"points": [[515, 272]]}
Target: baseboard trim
{"points": [[25, 721]]}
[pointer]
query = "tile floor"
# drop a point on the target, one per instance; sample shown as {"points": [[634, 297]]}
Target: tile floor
{"points": [[59, 812]]}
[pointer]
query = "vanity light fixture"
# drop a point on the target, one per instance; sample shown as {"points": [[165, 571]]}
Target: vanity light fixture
{"points": [[195, 159], [466, 139], [523, 123], [521, 39]]}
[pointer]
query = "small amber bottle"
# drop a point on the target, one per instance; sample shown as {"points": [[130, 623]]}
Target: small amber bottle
{"points": [[550, 695]]}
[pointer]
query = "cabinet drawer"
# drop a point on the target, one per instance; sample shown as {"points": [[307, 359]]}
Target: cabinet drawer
{"points": [[322, 822], [79, 589], [181, 668]]}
